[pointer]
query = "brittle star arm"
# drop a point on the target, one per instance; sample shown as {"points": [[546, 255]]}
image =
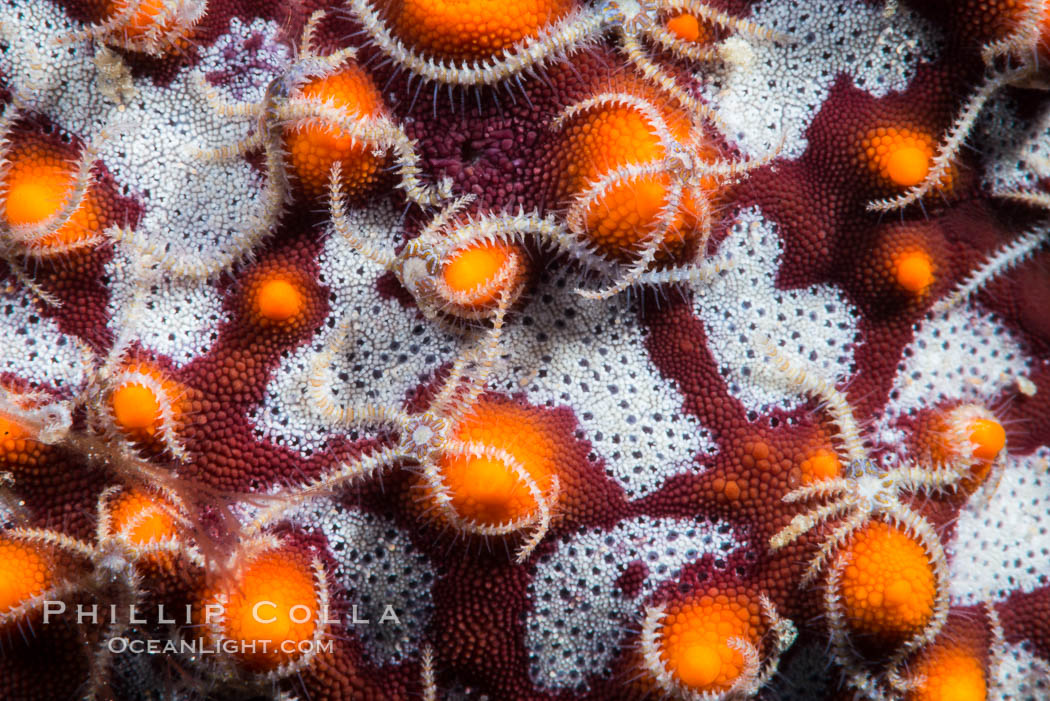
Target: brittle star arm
{"points": [[326, 485], [652, 246], [540, 520], [452, 400], [834, 400], [380, 133], [580, 26], [320, 379], [953, 141], [337, 211], [1006, 258]]}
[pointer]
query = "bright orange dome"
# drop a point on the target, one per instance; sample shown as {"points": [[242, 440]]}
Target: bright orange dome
{"points": [[38, 182], [618, 222], [25, 573], [887, 584], [142, 517], [135, 407], [988, 438], [485, 490], [461, 30], [694, 640], [278, 300], [901, 157], [274, 598], [822, 464], [949, 673], [914, 272], [314, 147]]}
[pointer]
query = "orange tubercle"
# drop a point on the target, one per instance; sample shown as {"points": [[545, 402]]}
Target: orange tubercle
{"points": [[278, 300], [137, 402], [913, 271], [18, 449], [969, 434], [949, 673], [141, 517], [471, 271], [135, 407], [10, 431], [37, 184], [486, 490], [461, 30], [274, 597], [25, 573], [313, 148], [143, 19], [906, 165], [685, 26], [821, 465], [694, 640], [619, 221], [31, 201], [150, 23], [902, 157], [988, 438], [887, 584]]}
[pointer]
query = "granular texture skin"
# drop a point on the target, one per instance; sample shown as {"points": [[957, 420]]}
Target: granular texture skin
{"points": [[543, 350]]}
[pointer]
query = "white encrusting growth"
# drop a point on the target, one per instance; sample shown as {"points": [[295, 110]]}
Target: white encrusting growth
{"points": [[579, 614], [179, 318], [1016, 148], [591, 357], [153, 138], [1002, 543], [966, 354], [742, 303], [394, 348], [376, 566], [558, 349], [32, 346], [1022, 675], [879, 54]]}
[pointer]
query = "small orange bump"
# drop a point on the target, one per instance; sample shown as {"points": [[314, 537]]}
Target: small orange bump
{"points": [[914, 272], [694, 640], [821, 465], [313, 148], [907, 166], [967, 435], [19, 450], [902, 157], [141, 517], [278, 300], [987, 437], [149, 21], [487, 491], [473, 267], [274, 597], [11, 432], [685, 26], [135, 407], [471, 272], [144, 17], [887, 584], [25, 573], [949, 673]]}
